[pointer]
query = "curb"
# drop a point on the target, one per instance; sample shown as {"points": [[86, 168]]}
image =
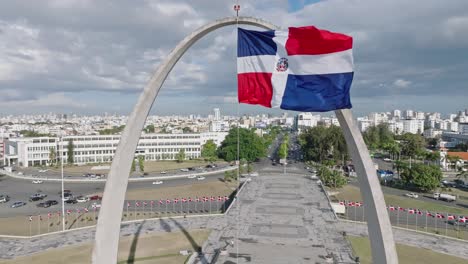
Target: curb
{"points": [[13, 175], [93, 226]]}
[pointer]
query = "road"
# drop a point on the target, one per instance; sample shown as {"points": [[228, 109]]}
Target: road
{"points": [[20, 190]]}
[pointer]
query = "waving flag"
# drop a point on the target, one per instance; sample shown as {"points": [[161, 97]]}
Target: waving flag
{"points": [[302, 69]]}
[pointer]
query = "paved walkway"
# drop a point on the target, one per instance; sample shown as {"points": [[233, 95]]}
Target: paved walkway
{"points": [[284, 218]]}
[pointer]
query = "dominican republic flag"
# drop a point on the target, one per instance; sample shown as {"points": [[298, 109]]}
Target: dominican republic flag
{"points": [[302, 69]]}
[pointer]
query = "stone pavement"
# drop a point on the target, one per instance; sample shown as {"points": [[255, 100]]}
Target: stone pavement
{"points": [[282, 218]]}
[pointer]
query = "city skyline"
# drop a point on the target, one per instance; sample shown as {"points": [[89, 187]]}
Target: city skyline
{"points": [[99, 61]]}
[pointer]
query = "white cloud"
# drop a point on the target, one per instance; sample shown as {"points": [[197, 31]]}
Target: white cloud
{"points": [[400, 83]]}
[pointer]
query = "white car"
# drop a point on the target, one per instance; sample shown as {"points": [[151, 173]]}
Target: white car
{"points": [[314, 177], [158, 182], [43, 170], [387, 159], [192, 176], [184, 170], [163, 172], [82, 199], [37, 181], [253, 174], [412, 195], [96, 205], [200, 178]]}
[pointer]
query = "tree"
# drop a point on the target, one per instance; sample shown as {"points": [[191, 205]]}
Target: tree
{"points": [[462, 174], [423, 177], [412, 144], [251, 146], [112, 131], [208, 151], [133, 168], [331, 178], [187, 130], [70, 152], [149, 128], [180, 157], [321, 143], [141, 162], [52, 156]]}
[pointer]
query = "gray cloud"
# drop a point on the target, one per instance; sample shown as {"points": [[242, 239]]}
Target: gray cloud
{"points": [[81, 49]]}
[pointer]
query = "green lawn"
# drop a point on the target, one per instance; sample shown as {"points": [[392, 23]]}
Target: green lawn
{"points": [[406, 254], [161, 248], [352, 193]]}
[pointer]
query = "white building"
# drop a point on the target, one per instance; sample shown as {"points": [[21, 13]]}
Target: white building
{"points": [[95, 149], [409, 114], [305, 120], [396, 113], [364, 124], [217, 114], [413, 126]]}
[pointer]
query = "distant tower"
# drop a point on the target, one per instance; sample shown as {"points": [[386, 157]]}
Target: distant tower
{"points": [[217, 114]]}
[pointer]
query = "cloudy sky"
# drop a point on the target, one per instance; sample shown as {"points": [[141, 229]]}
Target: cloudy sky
{"points": [[87, 56]]}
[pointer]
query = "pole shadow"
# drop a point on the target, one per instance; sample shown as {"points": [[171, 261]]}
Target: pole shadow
{"points": [[133, 247], [197, 248]]}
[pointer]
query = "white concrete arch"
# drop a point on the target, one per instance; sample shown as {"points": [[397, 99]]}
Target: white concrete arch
{"points": [[108, 226]]}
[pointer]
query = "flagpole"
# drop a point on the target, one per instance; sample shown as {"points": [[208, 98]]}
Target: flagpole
{"points": [[407, 216], [48, 223], [363, 216], [39, 224], [426, 220], [436, 217], [63, 194], [135, 209], [417, 213], [30, 223], [446, 223], [128, 203], [398, 216]]}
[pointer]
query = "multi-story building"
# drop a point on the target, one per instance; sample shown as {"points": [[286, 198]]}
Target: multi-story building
{"points": [[463, 128], [413, 126], [96, 149], [305, 120]]}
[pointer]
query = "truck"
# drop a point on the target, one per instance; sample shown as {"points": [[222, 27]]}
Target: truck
{"points": [[445, 197]]}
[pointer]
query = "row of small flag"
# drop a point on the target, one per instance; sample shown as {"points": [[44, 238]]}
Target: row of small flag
{"points": [[68, 212], [182, 200], [461, 219]]}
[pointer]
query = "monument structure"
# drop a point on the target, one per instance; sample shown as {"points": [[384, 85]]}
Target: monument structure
{"points": [[108, 227]]}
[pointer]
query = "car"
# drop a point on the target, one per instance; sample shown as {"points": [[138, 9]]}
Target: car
{"points": [[17, 204], [411, 195], [191, 169], [37, 181], [82, 199], [65, 192], [43, 170], [254, 174], [200, 178], [158, 182], [37, 197], [163, 172], [191, 176], [71, 201], [96, 205], [69, 197], [387, 159], [184, 170], [4, 198], [95, 197], [47, 204], [314, 177]]}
